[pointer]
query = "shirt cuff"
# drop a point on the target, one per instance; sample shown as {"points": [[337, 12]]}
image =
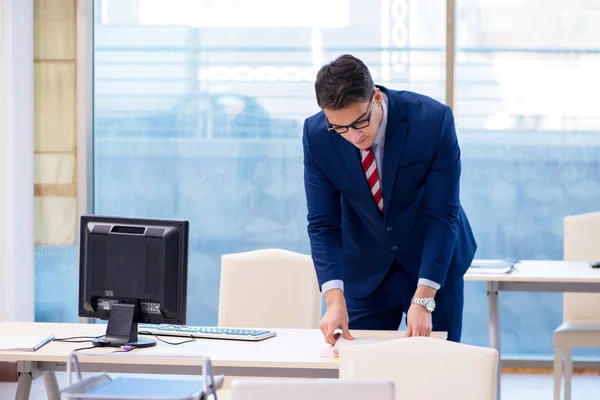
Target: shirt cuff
{"points": [[427, 282], [333, 284]]}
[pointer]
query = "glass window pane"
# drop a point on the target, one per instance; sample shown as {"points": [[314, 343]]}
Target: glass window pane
{"points": [[526, 90], [56, 283]]}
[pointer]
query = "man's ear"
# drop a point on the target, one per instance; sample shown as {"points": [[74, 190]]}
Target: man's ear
{"points": [[378, 96]]}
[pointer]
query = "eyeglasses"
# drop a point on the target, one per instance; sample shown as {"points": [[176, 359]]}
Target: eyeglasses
{"points": [[361, 123]]}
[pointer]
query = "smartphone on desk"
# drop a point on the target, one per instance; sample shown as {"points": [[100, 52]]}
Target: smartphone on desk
{"points": [[595, 264]]}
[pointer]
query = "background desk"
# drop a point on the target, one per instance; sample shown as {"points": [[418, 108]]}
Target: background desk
{"points": [[534, 276], [292, 353]]}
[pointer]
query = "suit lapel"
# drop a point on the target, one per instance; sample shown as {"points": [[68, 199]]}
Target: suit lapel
{"points": [[395, 136]]}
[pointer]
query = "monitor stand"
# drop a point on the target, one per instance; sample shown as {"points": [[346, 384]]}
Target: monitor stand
{"points": [[122, 329]]}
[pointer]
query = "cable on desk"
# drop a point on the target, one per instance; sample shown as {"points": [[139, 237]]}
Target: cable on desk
{"points": [[73, 339], [190, 340], [124, 349], [85, 348]]}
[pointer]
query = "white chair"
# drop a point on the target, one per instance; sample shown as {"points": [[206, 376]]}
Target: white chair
{"points": [[269, 288], [425, 368], [300, 389], [581, 311]]}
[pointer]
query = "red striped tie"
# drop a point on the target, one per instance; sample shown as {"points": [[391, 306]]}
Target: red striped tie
{"points": [[370, 168]]}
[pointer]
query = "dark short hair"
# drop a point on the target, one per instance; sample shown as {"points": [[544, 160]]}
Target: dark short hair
{"points": [[343, 81]]}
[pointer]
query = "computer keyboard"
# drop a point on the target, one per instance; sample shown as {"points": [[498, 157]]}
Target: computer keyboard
{"points": [[206, 332]]}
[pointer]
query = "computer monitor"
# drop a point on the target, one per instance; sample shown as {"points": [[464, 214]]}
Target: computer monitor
{"points": [[131, 271]]}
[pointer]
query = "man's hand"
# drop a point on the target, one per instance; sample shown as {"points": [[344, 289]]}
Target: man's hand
{"points": [[418, 319], [335, 317]]}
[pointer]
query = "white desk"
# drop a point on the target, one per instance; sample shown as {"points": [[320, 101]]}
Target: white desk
{"points": [[292, 353], [534, 276]]}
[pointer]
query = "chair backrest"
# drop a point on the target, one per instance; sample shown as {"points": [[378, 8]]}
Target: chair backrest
{"points": [[581, 243], [425, 368], [304, 389], [269, 288]]}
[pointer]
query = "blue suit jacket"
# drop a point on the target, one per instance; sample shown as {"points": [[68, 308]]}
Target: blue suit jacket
{"points": [[423, 227]]}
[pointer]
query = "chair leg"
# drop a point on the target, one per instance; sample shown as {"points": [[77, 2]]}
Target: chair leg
{"points": [[558, 358], [568, 372]]}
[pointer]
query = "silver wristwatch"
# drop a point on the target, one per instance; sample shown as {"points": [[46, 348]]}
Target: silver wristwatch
{"points": [[427, 302]]}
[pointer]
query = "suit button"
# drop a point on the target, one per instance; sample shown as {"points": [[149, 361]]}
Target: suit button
{"points": [[394, 247], [388, 229]]}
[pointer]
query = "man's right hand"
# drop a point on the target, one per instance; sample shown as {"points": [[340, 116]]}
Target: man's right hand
{"points": [[335, 317]]}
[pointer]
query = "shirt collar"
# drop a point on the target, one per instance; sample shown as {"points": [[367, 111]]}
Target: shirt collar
{"points": [[380, 138]]}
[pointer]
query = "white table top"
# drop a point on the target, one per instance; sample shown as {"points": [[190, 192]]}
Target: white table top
{"points": [[543, 271], [291, 348]]}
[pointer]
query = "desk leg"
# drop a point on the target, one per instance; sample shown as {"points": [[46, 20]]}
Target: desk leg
{"points": [[51, 383], [494, 328], [24, 386]]}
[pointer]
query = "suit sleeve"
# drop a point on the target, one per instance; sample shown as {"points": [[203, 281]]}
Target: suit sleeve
{"points": [[324, 218], [442, 203]]}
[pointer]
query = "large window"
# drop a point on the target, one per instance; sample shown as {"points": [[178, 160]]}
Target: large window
{"points": [[526, 89], [198, 112]]}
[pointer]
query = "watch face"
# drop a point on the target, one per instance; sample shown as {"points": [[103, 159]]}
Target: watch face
{"points": [[430, 304]]}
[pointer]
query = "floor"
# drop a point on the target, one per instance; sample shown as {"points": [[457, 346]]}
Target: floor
{"points": [[514, 387]]}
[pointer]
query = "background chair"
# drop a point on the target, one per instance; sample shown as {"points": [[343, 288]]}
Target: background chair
{"points": [[425, 368], [269, 288], [299, 389], [581, 311]]}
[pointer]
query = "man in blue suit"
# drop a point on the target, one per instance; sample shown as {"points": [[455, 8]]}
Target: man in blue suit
{"points": [[387, 231]]}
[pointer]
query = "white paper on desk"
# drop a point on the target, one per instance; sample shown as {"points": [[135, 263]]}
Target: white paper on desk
{"points": [[23, 342], [492, 266]]}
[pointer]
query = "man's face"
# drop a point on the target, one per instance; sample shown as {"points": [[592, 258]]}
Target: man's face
{"points": [[358, 122]]}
